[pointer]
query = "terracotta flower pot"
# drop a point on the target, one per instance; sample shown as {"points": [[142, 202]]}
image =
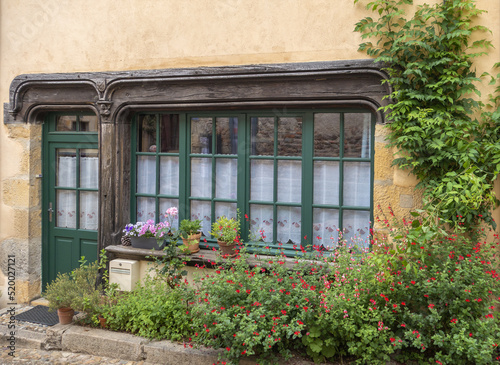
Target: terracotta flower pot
{"points": [[102, 321], [227, 250], [65, 315], [192, 242]]}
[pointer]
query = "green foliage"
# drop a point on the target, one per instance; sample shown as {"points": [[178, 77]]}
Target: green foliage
{"points": [[60, 292], [170, 267], [153, 310], [256, 311], [226, 229], [432, 115], [188, 227]]}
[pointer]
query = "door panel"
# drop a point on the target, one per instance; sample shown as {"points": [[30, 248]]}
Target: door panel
{"points": [[71, 206]]}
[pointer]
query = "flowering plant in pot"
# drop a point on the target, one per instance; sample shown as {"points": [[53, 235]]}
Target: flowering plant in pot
{"points": [[227, 232], [190, 234], [148, 234]]}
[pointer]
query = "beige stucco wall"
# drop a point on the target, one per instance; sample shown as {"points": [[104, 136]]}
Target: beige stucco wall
{"points": [[106, 35]]}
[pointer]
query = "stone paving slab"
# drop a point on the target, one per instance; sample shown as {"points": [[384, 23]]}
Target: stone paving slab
{"points": [[43, 357]]}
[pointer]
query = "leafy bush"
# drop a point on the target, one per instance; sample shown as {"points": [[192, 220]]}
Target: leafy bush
{"points": [[260, 310], [430, 297], [153, 310]]}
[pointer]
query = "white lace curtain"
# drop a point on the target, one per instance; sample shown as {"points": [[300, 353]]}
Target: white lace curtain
{"points": [[66, 199], [146, 184]]}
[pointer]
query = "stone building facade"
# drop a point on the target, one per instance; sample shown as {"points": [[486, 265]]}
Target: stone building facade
{"points": [[115, 60]]}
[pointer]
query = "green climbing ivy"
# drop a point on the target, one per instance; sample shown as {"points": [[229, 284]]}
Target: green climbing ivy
{"points": [[444, 135]]}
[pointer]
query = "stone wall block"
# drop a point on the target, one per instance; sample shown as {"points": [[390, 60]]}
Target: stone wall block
{"points": [[18, 248], [16, 192], [26, 290], [404, 178], [382, 163], [21, 223], [17, 131]]}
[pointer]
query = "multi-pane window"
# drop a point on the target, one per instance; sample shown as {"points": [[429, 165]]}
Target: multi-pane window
{"points": [[297, 179]]}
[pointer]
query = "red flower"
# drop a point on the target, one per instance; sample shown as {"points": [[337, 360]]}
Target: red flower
{"points": [[392, 339], [470, 334], [228, 349], [283, 311]]}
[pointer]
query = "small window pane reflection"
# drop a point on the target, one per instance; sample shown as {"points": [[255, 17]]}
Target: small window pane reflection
{"points": [[201, 135], [290, 136], [147, 133], [227, 135], [169, 136], [66, 123], [357, 135], [262, 139], [326, 134], [88, 123]]}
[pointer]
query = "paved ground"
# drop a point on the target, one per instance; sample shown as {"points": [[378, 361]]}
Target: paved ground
{"points": [[38, 357]]}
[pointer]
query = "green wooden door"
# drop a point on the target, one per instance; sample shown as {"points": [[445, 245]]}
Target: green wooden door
{"points": [[71, 181]]}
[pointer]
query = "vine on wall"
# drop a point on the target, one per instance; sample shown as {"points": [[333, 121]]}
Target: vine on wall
{"points": [[444, 135]]}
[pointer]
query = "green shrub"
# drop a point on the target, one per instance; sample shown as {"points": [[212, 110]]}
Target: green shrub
{"points": [[256, 311], [153, 310]]}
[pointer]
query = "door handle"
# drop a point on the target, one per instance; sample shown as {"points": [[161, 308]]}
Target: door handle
{"points": [[50, 210]]}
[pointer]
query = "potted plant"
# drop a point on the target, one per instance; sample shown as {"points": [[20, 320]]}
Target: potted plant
{"points": [[61, 295], [148, 234], [227, 232], [190, 234]]}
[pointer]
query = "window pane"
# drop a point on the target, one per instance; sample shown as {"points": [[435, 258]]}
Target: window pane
{"points": [[357, 184], [262, 139], [169, 135], [261, 180], [89, 210], [290, 136], [325, 227], [289, 225], [326, 182], [66, 209], [202, 210], [201, 177], [226, 178], [164, 205], [290, 181], [146, 174], [357, 135], [326, 134], [89, 169], [201, 135], [66, 123], [227, 135], [227, 209], [146, 139], [88, 123], [146, 209], [169, 175], [66, 167], [357, 228], [261, 222]]}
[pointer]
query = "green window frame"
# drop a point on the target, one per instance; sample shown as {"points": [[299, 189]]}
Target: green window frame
{"points": [[340, 130]]}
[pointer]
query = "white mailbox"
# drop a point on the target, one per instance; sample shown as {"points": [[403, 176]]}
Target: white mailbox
{"points": [[125, 273]]}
